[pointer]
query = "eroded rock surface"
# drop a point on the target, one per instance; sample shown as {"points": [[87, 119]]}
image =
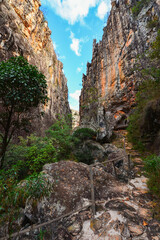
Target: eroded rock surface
{"points": [[24, 31], [123, 210], [110, 84]]}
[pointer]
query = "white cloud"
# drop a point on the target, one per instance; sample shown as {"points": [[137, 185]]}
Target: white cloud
{"points": [[75, 95], [54, 45], [103, 8], [79, 69], [61, 57], [74, 106], [72, 10], [75, 45]]}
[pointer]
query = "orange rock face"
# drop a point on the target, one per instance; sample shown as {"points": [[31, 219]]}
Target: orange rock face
{"points": [[111, 71], [24, 31]]}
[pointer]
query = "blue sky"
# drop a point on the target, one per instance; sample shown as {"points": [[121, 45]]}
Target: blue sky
{"points": [[74, 25]]}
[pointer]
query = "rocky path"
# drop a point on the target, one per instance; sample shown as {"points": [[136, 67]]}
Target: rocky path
{"points": [[129, 215], [126, 217], [123, 205]]}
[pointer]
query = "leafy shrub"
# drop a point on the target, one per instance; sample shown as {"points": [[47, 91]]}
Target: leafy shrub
{"points": [[154, 23], [24, 161], [82, 149], [13, 195], [84, 154], [152, 167], [84, 134], [138, 7], [60, 135], [142, 125], [32, 153]]}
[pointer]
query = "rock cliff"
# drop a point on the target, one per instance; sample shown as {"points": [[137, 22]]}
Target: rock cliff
{"points": [[110, 84], [24, 31]]}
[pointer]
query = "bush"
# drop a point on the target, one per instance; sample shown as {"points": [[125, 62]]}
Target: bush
{"points": [[13, 195], [24, 161], [138, 7], [32, 153], [143, 125], [84, 134], [152, 167], [82, 149], [154, 23]]}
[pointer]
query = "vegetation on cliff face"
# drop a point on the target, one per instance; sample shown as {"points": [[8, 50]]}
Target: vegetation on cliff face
{"points": [[144, 126], [144, 122], [138, 7], [22, 87]]}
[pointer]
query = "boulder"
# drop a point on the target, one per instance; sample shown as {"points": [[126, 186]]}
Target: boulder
{"points": [[89, 152], [70, 185], [106, 125], [121, 164]]}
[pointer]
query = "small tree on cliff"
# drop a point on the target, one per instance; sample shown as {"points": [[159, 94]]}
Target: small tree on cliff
{"points": [[22, 87]]}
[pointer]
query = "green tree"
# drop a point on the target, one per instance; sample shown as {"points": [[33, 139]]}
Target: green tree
{"points": [[22, 87]]}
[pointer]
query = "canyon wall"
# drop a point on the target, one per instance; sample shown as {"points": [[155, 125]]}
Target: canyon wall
{"points": [[24, 31], [110, 84]]}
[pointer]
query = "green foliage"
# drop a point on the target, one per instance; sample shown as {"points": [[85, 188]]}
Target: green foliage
{"points": [[24, 161], [152, 167], [60, 134], [92, 97], [138, 7], [83, 150], [84, 134], [154, 23], [13, 195], [22, 87], [155, 52], [32, 153], [147, 97], [84, 153]]}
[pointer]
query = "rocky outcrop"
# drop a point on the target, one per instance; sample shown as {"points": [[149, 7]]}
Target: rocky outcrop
{"points": [[75, 118], [110, 84], [24, 31], [123, 210]]}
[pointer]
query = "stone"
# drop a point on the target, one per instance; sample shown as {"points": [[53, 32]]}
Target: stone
{"points": [[135, 230], [119, 205], [75, 118], [95, 224], [75, 228], [70, 184], [145, 213]]}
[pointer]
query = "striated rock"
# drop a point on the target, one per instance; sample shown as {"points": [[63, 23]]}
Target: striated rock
{"points": [[24, 31], [110, 83]]}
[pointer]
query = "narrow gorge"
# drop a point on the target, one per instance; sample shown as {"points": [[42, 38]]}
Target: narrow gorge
{"points": [[111, 82], [24, 31], [87, 180]]}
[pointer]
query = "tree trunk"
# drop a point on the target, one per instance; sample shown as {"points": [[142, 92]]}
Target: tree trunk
{"points": [[5, 141]]}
